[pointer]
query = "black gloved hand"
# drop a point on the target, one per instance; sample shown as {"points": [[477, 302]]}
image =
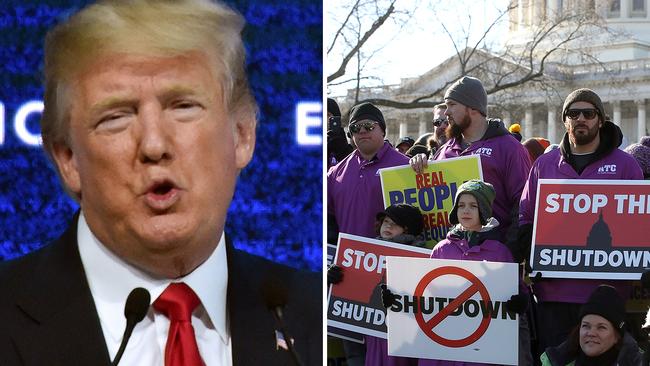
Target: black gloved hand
{"points": [[334, 274], [645, 279], [387, 297], [517, 303], [536, 278]]}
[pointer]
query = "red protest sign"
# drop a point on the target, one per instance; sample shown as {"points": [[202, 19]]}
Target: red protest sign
{"points": [[591, 229], [355, 303]]}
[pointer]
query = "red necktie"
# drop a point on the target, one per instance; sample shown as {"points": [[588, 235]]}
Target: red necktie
{"points": [[177, 302]]}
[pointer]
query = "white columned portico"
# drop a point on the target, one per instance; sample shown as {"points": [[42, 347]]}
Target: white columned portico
{"points": [[616, 104], [551, 133], [640, 124], [403, 129], [528, 122]]}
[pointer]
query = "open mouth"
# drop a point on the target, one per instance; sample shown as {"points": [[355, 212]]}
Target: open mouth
{"points": [[162, 195], [162, 188]]}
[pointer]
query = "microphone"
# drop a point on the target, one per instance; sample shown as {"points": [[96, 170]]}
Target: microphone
{"points": [[135, 309], [275, 296]]}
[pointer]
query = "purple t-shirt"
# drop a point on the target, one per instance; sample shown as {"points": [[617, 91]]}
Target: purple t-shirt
{"points": [[505, 164], [552, 165], [354, 190]]}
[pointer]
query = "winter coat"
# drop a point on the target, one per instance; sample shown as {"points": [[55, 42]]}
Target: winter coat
{"points": [[629, 355]]}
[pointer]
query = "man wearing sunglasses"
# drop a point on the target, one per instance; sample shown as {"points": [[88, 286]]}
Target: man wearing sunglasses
{"points": [[591, 142], [440, 124], [354, 188]]}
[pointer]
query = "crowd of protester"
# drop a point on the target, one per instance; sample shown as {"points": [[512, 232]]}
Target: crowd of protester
{"points": [[562, 321]]}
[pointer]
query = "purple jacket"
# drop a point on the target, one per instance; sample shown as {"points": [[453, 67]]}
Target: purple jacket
{"points": [[505, 163], [456, 247], [354, 190], [377, 354], [553, 165]]}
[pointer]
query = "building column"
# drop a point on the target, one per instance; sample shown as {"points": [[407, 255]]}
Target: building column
{"points": [[616, 104], [552, 11], [520, 14], [506, 118], [640, 123], [625, 8], [403, 129], [422, 126], [551, 133], [527, 128]]}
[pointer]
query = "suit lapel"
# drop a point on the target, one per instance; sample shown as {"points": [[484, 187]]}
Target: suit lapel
{"points": [[252, 326], [59, 310]]}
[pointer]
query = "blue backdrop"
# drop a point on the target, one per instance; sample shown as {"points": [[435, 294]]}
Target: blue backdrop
{"points": [[276, 211]]}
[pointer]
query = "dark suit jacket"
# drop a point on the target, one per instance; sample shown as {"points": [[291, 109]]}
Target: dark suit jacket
{"points": [[48, 317]]}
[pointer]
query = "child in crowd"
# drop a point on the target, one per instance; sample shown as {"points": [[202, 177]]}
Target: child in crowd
{"points": [[475, 237], [600, 338], [403, 224]]}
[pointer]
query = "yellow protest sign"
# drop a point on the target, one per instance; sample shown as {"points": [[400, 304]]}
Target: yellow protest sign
{"points": [[432, 191]]}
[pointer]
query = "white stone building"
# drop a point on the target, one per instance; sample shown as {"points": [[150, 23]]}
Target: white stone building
{"points": [[620, 74]]}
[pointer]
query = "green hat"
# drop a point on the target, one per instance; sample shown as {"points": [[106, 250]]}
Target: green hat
{"points": [[484, 194]]}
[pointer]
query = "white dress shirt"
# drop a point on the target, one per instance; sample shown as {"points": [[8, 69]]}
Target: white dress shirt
{"points": [[111, 280]]}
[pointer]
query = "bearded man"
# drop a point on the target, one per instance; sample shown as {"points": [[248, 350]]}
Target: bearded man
{"points": [[504, 160], [590, 142]]}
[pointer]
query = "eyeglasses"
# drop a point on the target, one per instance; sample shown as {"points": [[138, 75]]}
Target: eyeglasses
{"points": [[588, 113], [368, 125], [439, 121]]}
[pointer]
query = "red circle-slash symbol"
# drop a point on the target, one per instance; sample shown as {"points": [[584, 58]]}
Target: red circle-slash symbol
{"points": [[427, 326]]}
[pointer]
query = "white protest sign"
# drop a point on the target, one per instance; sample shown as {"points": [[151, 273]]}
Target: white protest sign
{"points": [[452, 310]]}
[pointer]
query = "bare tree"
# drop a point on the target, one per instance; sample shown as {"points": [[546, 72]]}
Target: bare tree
{"points": [[503, 69], [354, 31]]}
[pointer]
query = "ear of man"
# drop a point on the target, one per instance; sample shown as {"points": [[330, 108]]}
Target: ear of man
{"points": [[244, 128]]}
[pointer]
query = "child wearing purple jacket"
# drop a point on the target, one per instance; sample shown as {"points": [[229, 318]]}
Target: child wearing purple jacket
{"points": [[475, 237]]}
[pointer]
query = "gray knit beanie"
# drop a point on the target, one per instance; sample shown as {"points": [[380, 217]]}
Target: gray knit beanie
{"points": [[484, 194], [469, 92], [584, 95]]}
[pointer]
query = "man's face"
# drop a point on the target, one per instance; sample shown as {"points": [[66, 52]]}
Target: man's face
{"points": [[403, 147], [439, 131], [582, 130], [154, 157], [368, 142], [458, 116]]}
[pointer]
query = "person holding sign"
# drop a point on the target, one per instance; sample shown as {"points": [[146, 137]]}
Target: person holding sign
{"points": [[600, 338], [504, 160], [589, 150], [403, 224], [475, 237], [353, 185]]}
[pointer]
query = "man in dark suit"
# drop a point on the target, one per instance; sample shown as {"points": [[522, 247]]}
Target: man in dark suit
{"points": [[149, 119]]}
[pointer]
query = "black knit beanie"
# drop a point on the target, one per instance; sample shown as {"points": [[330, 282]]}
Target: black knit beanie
{"points": [[606, 302], [584, 95], [333, 107], [367, 111], [484, 194], [404, 215]]}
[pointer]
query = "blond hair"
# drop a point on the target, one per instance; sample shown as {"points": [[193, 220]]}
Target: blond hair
{"points": [[160, 28]]}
